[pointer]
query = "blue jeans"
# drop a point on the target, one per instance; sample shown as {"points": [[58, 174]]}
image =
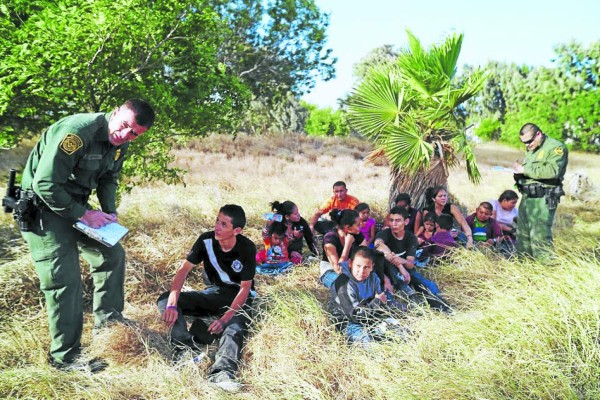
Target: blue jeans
{"points": [[274, 268], [357, 333], [418, 279], [328, 278]]}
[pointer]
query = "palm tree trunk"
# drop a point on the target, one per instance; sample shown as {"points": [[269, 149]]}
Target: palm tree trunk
{"points": [[417, 183]]}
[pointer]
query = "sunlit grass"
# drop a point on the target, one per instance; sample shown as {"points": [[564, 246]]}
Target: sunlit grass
{"points": [[520, 330]]}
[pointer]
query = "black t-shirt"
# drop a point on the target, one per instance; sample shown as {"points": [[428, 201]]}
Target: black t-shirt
{"points": [[412, 218], [333, 238], [407, 247], [446, 210], [296, 243], [225, 269]]}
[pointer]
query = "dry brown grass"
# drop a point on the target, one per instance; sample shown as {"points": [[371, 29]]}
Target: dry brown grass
{"points": [[292, 351]]}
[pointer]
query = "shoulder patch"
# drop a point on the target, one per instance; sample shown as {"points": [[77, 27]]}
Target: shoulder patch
{"points": [[558, 151], [236, 265], [71, 143], [117, 154]]}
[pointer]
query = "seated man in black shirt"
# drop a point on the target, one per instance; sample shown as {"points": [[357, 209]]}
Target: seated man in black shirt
{"points": [[229, 268], [399, 247]]}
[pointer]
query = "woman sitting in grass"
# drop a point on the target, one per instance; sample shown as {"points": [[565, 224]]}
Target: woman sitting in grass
{"points": [[506, 213], [438, 205], [298, 229]]}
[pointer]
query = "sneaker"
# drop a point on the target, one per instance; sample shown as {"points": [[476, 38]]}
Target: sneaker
{"points": [[80, 365], [188, 358], [226, 381], [393, 303], [437, 302]]}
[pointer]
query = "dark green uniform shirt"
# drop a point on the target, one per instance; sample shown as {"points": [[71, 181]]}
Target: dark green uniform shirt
{"points": [[73, 157], [549, 161]]}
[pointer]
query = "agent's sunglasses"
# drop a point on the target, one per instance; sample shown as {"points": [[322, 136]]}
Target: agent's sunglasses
{"points": [[527, 143]]}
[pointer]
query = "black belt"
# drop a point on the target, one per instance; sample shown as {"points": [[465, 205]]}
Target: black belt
{"points": [[538, 191]]}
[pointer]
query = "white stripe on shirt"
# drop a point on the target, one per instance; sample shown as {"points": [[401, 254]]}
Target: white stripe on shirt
{"points": [[213, 260]]}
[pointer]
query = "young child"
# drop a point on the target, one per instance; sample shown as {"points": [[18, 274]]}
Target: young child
{"points": [[442, 240], [368, 223], [357, 302], [298, 229], [429, 230], [424, 239], [486, 230], [274, 259]]}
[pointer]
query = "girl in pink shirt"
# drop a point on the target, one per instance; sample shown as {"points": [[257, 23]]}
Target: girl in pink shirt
{"points": [[367, 223]]}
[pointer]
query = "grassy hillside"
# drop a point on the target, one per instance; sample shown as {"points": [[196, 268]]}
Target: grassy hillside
{"points": [[521, 330]]}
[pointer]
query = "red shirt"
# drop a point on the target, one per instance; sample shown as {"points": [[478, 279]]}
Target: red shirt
{"points": [[273, 254]]}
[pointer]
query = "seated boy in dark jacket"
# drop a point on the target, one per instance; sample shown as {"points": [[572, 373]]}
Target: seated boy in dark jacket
{"points": [[357, 301], [486, 231]]}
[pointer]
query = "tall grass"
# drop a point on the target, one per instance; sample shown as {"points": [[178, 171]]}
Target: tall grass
{"points": [[520, 329]]}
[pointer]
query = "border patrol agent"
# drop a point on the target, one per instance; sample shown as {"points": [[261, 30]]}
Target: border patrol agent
{"points": [[74, 156], [539, 179]]}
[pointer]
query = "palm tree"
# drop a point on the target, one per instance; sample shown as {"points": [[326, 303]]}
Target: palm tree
{"points": [[409, 111]]}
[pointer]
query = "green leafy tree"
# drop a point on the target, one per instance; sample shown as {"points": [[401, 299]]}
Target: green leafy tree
{"points": [[277, 48], [325, 121], [199, 66], [282, 116], [563, 99], [66, 57], [488, 129], [379, 56], [409, 111]]}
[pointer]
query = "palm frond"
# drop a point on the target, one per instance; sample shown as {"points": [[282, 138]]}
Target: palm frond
{"points": [[474, 83], [461, 145], [374, 155], [406, 146], [414, 44], [376, 103], [447, 54]]}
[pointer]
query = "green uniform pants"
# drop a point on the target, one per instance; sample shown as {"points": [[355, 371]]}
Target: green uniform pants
{"points": [[534, 228], [55, 247]]}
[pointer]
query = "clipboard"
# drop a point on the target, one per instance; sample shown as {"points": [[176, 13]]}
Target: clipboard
{"points": [[108, 235]]}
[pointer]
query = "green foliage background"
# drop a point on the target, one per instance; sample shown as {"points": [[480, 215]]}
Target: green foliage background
{"points": [[206, 66], [564, 100], [325, 121]]}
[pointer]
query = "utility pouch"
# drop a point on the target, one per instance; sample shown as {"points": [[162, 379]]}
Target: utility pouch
{"points": [[26, 210], [553, 197]]}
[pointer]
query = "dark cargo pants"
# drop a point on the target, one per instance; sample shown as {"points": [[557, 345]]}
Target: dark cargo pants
{"points": [[534, 228], [212, 301], [55, 247]]}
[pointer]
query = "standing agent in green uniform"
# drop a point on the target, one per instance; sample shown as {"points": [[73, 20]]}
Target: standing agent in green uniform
{"points": [[75, 155], [539, 179]]}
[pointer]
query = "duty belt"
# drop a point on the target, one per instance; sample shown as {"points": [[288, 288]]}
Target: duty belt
{"points": [[535, 190]]}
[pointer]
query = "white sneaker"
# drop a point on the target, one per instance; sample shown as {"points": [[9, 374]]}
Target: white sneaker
{"points": [[226, 381]]}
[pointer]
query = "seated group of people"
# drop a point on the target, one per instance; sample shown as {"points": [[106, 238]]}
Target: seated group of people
{"points": [[408, 239], [361, 267]]}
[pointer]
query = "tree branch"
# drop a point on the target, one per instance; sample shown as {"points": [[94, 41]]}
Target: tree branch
{"points": [[168, 37]]}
